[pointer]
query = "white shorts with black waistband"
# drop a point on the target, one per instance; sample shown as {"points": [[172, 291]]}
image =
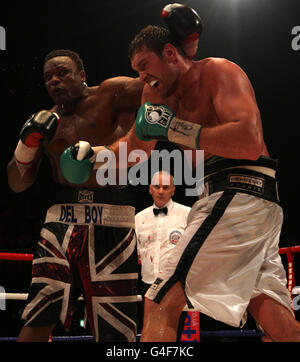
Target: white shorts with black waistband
{"points": [[227, 255]]}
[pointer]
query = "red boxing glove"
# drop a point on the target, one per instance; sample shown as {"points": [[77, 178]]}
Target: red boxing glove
{"points": [[33, 139]]}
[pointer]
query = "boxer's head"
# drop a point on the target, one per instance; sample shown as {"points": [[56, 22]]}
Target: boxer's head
{"points": [[162, 188], [154, 38], [154, 54], [64, 76]]}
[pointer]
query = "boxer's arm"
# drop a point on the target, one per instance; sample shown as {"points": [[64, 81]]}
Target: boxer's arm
{"points": [[23, 168], [130, 93], [77, 161], [140, 92], [22, 176], [240, 133], [126, 102], [72, 166], [121, 92], [133, 146], [121, 97]]}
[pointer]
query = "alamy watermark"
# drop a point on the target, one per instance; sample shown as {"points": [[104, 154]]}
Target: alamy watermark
{"points": [[2, 299], [138, 174], [296, 40], [296, 302], [2, 38], [296, 298]]}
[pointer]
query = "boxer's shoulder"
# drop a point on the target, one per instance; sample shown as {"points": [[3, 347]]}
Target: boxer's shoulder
{"points": [[210, 66], [217, 66], [214, 71]]}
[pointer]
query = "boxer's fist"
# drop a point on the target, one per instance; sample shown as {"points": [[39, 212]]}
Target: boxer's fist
{"points": [[82, 150], [185, 25], [76, 162], [39, 127], [153, 121], [157, 121]]}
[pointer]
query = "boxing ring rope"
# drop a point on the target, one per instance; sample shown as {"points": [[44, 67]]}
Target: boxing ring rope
{"points": [[290, 253], [16, 256], [293, 289]]}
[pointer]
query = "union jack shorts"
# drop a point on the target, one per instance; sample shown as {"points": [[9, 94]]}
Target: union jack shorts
{"points": [[87, 249]]}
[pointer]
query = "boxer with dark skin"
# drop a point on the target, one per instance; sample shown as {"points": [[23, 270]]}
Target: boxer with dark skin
{"points": [[98, 114]]}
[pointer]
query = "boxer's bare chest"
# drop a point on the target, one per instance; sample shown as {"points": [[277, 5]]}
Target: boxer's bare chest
{"points": [[193, 102], [74, 128], [95, 119], [98, 125]]}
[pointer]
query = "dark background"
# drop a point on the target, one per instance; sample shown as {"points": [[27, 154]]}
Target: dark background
{"points": [[256, 34]]}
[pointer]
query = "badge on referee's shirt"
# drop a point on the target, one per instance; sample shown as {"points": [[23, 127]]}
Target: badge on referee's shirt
{"points": [[174, 236]]}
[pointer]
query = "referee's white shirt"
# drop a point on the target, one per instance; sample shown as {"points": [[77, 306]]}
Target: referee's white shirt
{"points": [[157, 236]]}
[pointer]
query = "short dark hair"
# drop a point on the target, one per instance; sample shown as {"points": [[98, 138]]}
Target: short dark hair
{"points": [[154, 38], [66, 53]]}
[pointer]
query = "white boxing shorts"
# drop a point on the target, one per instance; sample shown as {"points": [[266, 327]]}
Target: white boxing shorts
{"points": [[228, 253]]}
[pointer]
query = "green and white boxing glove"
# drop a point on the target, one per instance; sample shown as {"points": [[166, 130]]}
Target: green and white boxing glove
{"points": [[157, 121], [76, 162]]}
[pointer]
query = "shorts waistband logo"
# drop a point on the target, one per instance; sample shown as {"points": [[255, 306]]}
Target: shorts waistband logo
{"points": [[249, 183], [85, 196]]}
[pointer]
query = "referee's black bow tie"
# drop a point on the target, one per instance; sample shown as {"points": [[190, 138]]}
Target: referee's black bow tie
{"points": [[157, 211]]}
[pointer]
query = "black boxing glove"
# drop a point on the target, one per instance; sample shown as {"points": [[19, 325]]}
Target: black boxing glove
{"points": [[185, 25], [39, 127]]}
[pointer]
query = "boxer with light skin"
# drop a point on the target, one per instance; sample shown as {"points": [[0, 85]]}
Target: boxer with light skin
{"points": [[210, 104], [218, 268]]}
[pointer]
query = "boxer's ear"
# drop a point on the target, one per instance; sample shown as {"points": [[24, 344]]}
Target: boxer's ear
{"points": [[82, 75], [169, 53]]}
